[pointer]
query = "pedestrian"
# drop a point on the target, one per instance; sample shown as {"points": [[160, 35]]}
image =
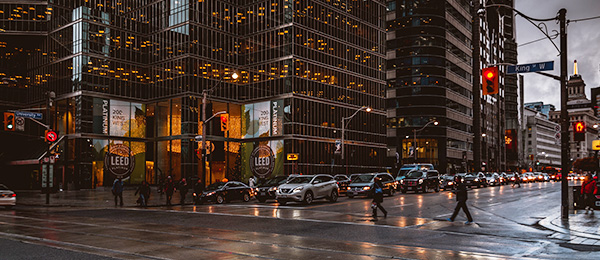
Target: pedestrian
{"points": [[378, 198], [198, 189], [517, 180], [461, 197], [117, 191], [252, 182], [161, 185], [144, 191], [169, 189], [589, 189], [183, 189]]}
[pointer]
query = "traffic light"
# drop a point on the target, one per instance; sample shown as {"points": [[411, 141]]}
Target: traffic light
{"points": [[9, 121], [490, 80], [224, 122], [579, 131]]}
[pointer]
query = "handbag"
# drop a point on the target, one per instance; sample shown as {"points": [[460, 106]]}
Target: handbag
{"points": [[374, 205], [379, 190]]}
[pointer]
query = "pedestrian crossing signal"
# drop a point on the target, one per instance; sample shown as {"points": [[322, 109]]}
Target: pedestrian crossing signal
{"points": [[490, 80], [9, 121], [579, 131]]}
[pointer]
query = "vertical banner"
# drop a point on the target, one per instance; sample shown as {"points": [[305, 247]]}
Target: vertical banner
{"points": [[277, 117], [262, 117], [100, 114], [120, 114]]}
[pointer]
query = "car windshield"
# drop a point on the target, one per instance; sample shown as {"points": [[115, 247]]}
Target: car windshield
{"points": [[2, 187], [300, 179], [276, 180], [340, 178], [415, 175], [405, 171], [362, 178], [216, 186], [488, 175]]}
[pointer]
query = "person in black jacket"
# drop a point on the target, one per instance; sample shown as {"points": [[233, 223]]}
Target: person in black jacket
{"points": [[183, 189], [198, 189], [144, 191], [378, 198], [461, 197]]}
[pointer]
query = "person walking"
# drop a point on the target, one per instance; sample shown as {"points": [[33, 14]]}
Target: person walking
{"points": [[117, 190], [589, 189], [169, 189], [198, 189], [378, 198], [144, 191], [517, 180], [461, 197], [183, 190]]}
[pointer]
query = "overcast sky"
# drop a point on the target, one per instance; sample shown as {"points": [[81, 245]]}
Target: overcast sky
{"points": [[583, 43]]}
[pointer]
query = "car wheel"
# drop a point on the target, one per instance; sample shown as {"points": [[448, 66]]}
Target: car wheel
{"points": [[282, 202], [246, 197], [334, 196], [220, 199], [308, 198], [262, 200]]}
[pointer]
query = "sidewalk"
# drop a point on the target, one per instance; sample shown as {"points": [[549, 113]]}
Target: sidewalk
{"points": [[99, 197], [580, 229]]}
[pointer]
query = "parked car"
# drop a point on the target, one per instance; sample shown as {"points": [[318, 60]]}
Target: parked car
{"points": [[528, 177], [492, 178], [307, 188], [342, 181], [503, 178], [266, 189], [221, 192], [421, 180], [447, 182], [8, 198], [475, 179], [362, 184], [511, 177]]}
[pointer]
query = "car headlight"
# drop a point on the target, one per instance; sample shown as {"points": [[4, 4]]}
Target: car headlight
{"points": [[450, 183], [273, 189], [349, 188], [401, 181], [420, 181], [194, 194], [366, 188], [210, 193], [298, 189], [476, 179]]}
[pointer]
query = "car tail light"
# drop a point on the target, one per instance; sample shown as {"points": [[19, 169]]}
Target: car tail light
{"points": [[13, 195]]}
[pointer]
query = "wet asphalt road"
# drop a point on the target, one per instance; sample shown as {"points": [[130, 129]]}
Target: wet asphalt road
{"points": [[506, 227]]}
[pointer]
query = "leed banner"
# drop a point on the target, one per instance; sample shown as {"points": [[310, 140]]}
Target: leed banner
{"points": [[262, 159]]}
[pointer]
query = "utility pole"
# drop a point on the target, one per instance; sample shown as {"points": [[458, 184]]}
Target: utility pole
{"points": [[564, 115]]}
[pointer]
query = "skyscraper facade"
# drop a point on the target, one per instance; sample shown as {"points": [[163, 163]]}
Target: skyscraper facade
{"points": [[129, 77]]}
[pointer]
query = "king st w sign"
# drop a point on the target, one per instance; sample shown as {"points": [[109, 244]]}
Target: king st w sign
{"points": [[533, 67]]}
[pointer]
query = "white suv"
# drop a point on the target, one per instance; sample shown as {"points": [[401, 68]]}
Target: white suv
{"points": [[306, 188]]}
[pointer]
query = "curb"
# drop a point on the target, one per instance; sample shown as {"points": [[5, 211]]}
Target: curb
{"points": [[547, 223]]}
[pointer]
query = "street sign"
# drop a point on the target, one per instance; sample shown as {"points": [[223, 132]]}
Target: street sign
{"points": [[27, 114], [51, 136], [533, 67], [596, 145], [292, 156]]}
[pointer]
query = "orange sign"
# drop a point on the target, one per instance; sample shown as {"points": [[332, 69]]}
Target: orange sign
{"points": [[292, 156], [596, 145]]}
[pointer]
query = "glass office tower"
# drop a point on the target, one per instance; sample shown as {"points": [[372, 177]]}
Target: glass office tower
{"points": [[130, 75]]}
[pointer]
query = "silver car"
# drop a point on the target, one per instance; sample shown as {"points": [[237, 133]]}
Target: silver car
{"points": [[306, 188], [8, 198]]}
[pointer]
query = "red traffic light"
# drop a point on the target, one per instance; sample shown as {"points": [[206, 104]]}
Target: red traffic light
{"points": [[490, 80], [224, 122]]}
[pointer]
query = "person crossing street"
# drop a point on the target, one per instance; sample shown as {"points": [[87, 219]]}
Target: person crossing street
{"points": [[461, 197]]}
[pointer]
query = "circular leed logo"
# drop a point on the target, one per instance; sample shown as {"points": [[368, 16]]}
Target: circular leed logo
{"points": [[119, 161], [262, 161]]}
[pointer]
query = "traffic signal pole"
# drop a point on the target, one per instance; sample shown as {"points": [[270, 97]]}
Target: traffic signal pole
{"points": [[564, 115]]}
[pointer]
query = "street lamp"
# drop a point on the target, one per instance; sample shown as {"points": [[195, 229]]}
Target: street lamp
{"points": [[345, 123], [415, 136], [202, 138]]}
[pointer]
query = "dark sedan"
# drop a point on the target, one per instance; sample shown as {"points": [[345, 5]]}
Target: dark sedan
{"points": [[221, 192], [362, 184], [266, 189], [342, 181]]}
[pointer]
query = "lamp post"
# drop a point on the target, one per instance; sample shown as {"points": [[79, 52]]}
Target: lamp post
{"points": [[202, 138], [344, 123], [415, 136]]}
